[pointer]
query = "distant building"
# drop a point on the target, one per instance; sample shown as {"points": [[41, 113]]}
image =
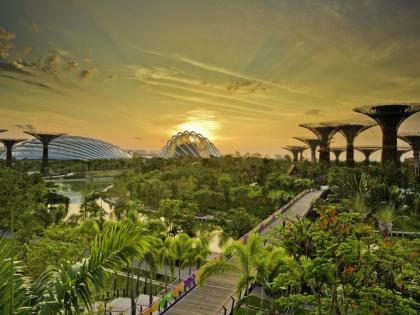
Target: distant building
{"points": [[69, 148], [144, 153]]}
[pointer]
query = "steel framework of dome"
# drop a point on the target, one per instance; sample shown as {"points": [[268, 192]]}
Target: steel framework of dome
{"points": [[189, 143], [69, 148]]}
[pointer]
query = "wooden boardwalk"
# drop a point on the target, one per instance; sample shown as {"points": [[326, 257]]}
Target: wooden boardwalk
{"points": [[218, 289]]}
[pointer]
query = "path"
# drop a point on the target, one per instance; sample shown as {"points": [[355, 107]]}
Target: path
{"points": [[218, 289]]}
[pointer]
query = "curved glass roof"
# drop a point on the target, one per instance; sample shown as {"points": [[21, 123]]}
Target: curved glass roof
{"points": [[69, 148], [189, 143]]}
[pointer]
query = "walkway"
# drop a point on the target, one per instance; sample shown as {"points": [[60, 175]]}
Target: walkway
{"points": [[217, 290]]}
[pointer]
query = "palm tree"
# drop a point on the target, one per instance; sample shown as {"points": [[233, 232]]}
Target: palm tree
{"points": [[238, 257], [386, 216], [70, 288], [350, 185], [199, 253], [181, 248], [152, 260], [166, 258], [268, 266]]}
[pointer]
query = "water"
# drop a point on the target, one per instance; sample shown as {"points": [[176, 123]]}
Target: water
{"points": [[75, 189]]}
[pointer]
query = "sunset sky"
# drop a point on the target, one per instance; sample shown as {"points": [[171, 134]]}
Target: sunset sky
{"points": [[243, 73]]}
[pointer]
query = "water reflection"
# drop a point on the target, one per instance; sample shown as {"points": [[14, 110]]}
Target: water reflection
{"points": [[76, 189]]}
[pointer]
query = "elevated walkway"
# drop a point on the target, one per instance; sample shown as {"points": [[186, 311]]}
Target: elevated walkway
{"points": [[217, 292]]}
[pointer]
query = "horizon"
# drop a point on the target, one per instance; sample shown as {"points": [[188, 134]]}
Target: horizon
{"points": [[244, 75]]}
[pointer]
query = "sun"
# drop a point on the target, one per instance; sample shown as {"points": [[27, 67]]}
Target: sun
{"points": [[200, 121]]}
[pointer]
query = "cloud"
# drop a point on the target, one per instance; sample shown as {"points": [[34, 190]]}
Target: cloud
{"points": [[4, 49], [88, 73], [5, 35], [23, 51], [225, 71], [109, 78], [171, 79], [71, 65], [138, 138], [29, 127], [63, 52], [30, 82], [246, 86], [313, 112], [14, 67], [51, 63], [35, 28]]}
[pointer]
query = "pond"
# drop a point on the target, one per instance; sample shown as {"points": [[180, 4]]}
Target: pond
{"points": [[75, 189]]}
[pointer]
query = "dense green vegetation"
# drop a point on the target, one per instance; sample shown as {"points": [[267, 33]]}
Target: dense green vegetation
{"points": [[335, 261], [238, 192]]}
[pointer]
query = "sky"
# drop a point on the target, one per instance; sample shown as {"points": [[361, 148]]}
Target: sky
{"points": [[243, 73]]}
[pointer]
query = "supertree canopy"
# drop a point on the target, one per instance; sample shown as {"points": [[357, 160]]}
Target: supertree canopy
{"points": [[367, 151], [389, 117], [413, 139], [189, 143], [312, 143], [324, 132], [9, 144], [350, 130], [295, 150], [45, 138], [337, 152]]}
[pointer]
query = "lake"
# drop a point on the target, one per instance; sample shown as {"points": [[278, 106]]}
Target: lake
{"points": [[75, 189]]}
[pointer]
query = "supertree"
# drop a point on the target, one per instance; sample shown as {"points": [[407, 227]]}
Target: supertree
{"points": [[295, 150], [324, 132], [389, 117], [400, 152], [45, 138], [367, 152], [350, 130], [413, 139], [337, 152], [9, 144], [312, 143]]}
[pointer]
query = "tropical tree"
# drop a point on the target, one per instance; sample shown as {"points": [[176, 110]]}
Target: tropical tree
{"points": [[152, 260], [69, 288], [167, 258], [181, 248], [238, 257], [269, 265], [198, 253]]}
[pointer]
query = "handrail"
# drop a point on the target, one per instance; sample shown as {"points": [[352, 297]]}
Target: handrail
{"points": [[185, 286], [271, 219]]}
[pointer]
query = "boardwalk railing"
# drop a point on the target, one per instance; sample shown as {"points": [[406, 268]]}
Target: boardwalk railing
{"points": [[184, 287], [229, 303]]}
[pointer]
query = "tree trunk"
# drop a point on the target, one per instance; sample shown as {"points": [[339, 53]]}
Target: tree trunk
{"points": [[166, 277], [145, 281], [151, 288]]}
